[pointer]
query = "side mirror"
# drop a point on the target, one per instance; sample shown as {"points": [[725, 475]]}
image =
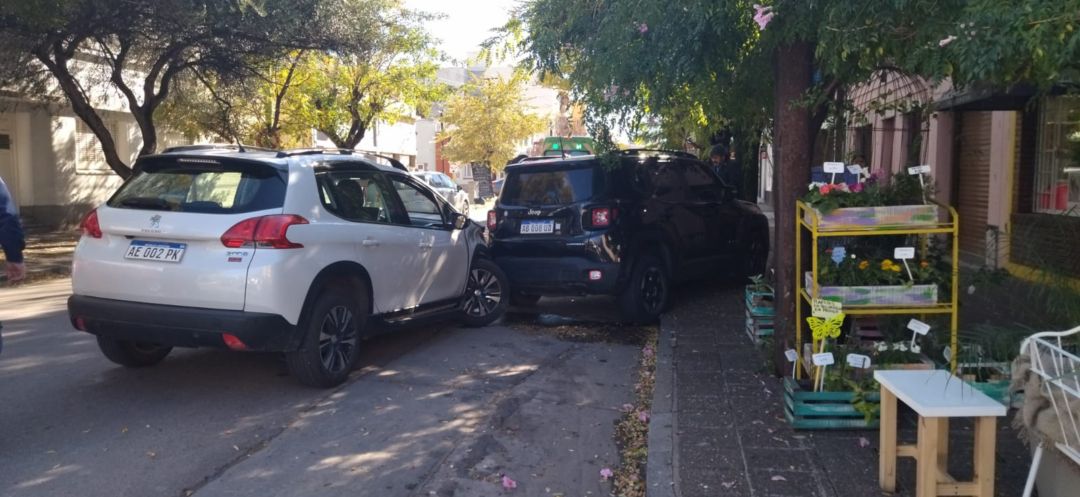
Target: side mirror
{"points": [[459, 220]]}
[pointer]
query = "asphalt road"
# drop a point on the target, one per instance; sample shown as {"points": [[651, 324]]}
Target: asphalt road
{"points": [[432, 411]]}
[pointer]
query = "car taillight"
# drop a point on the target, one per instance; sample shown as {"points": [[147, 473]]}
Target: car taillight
{"points": [[90, 225], [602, 217], [263, 232], [493, 220]]}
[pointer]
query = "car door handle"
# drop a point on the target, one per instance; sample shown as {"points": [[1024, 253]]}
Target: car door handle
{"points": [[370, 242]]}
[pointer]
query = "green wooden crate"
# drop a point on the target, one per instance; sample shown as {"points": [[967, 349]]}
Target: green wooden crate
{"points": [[807, 410], [759, 310]]}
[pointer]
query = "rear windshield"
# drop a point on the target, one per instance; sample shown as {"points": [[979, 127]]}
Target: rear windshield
{"points": [[206, 188], [547, 187]]}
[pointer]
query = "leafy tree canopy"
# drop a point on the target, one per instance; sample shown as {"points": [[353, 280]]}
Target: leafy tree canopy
{"points": [[485, 119], [79, 50]]}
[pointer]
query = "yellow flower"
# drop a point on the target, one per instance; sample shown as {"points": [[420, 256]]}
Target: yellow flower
{"points": [[894, 268], [924, 264], [863, 265], [886, 265]]}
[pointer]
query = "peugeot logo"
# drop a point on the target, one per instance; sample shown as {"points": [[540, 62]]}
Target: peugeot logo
{"points": [[155, 222]]}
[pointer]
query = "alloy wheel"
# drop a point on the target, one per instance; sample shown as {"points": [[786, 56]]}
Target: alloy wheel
{"points": [[338, 336], [483, 293]]}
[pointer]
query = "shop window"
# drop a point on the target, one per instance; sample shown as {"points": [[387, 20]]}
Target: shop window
{"points": [[1057, 175]]}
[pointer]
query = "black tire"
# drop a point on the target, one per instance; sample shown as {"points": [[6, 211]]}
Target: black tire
{"points": [[647, 295], [132, 354], [486, 294], [755, 256], [332, 332], [524, 299]]}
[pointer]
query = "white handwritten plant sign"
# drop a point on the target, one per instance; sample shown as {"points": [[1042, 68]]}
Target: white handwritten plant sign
{"points": [[824, 359], [917, 328], [858, 361], [825, 309]]}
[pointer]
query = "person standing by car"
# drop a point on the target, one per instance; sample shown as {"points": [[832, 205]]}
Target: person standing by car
{"points": [[726, 168], [11, 239]]}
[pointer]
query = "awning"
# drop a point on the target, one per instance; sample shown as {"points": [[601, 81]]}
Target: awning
{"points": [[984, 99]]}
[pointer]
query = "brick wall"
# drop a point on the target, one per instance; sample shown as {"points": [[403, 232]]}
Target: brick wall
{"points": [[1046, 241]]}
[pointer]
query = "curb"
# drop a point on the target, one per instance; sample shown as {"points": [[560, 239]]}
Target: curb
{"points": [[661, 464]]}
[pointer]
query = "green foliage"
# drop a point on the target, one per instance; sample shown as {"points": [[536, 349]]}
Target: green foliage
{"points": [[485, 119], [143, 47], [341, 93]]}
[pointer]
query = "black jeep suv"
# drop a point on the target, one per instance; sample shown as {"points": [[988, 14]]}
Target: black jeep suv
{"points": [[626, 224]]}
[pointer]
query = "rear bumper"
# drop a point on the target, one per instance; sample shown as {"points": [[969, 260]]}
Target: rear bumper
{"points": [[181, 326], [559, 275]]}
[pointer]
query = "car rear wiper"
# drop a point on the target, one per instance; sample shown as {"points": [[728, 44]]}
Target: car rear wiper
{"points": [[147, 203]]}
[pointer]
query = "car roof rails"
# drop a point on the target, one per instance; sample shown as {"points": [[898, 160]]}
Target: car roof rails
{"points": [[239, 147], [314, 151], [657, 151], [396, 164]]}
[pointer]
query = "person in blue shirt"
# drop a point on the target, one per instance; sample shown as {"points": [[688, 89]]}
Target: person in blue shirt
{"points": [[11, 239]]}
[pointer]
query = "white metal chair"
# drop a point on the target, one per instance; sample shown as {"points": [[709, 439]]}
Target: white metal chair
{"points": [[1059, 371]]}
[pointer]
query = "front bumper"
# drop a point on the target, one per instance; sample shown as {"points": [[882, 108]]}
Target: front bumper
{"points": [[181, 326], [559, 275]]}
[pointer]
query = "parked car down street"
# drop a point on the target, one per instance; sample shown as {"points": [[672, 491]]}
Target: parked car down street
{"points": [[451, 191]]}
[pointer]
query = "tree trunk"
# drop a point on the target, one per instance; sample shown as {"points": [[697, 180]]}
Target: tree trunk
{"points": [[80, 104], [792, 144]]}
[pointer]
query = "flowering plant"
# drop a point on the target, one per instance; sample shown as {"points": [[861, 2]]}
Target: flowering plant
{"points": [[902, 189], [885, 353], [873, 268]]}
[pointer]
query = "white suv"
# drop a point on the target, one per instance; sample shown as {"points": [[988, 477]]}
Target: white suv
{"points": [[274, 251]]}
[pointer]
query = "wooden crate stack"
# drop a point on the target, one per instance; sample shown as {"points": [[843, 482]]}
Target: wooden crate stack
{"points": [[760, 311]]}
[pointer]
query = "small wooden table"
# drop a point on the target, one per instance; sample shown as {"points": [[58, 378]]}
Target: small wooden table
{"points": [[936, 396]]}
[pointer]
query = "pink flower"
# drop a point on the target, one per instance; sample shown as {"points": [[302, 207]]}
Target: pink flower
{"points": [[508, 483], [857, 187], [627, 407], [946, 41], [825, 189], [643, 28], [762, 16], [606, 473], [647, 351], [643, 416]]}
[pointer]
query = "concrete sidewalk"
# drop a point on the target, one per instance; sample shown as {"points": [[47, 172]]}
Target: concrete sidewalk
{"points": [[718, 427]]}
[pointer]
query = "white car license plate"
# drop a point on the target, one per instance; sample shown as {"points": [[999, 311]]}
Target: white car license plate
{"points": [[155, 251], [531, 227]]}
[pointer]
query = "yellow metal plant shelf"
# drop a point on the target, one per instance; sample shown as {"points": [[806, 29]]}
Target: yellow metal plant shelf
{"points": [[808, 219]]}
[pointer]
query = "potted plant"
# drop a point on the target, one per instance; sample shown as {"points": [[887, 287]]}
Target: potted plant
{"points": [[873, 278], [873, 203]]}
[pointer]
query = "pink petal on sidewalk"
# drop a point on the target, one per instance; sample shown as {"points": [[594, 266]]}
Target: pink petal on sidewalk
{"points": [[606, 473], [508, 483], [643, 416], [778, 478], [864, 442]]}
